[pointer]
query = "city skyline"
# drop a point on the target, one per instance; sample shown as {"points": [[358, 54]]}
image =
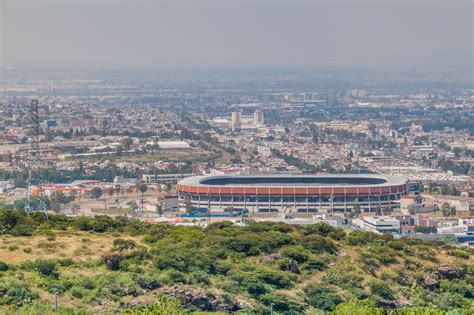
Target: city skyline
{"points": [[236, 35]]}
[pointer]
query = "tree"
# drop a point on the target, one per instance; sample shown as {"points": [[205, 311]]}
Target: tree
{"points": [[73, 195], [75, 209], [159, 208], [355, 211], [386, 210], [110, 191], [229, 210], [446, 209], [122, 245], [118, 188], [112, 260], [133, 205], [188, 206], [96, 193], [142, 188], [411, 209]]}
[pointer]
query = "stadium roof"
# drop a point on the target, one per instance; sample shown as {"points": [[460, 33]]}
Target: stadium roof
{"points": [[339, 180]]}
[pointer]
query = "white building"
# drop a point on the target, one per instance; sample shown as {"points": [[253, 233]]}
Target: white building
{"points": [[378, 224], [236, 121], [258, 118]]}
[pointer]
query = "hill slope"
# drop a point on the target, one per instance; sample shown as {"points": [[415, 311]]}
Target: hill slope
{"points": [[101, 265]]}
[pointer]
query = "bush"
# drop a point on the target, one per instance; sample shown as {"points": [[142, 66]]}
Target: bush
{"points": [[112, 260], [282, 303], [147, 282], [12, 248], [21, 230], [356, 238], [27, 250], [357, 307], [121, 245], [254, 286], [381, 289], [288, 264], [320, 228], [163, 306], [3, 266], [174, 276], [77, 293], [297, 253], [459, 253], [13, 292], [314, 264], [46, 267], [322, 297], [319, 244], [200, 277]]}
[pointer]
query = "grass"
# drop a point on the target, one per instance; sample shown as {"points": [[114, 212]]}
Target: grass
{"points": [[76, 245], [112, 211]]}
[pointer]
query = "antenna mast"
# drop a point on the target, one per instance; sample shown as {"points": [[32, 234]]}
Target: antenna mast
{"points": [[33, 158]]}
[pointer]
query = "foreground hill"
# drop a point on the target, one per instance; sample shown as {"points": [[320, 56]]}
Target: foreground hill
{"points": [[102, 265]]}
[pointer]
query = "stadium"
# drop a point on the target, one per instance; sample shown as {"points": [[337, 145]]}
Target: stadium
{"points": [[279, 193]]}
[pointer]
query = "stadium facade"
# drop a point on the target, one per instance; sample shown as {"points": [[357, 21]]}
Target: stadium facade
{"points": [[308, 193]]}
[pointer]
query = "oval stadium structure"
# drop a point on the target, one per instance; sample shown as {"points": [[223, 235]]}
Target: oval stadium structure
{"points": [[300, 193]]}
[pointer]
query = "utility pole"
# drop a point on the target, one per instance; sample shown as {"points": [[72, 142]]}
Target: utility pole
{"points": [[55, 302]]}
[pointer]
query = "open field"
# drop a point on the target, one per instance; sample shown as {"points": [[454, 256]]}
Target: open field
{"points": [[78, 245]]}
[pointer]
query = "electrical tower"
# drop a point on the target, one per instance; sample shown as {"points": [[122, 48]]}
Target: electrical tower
{"points": [[34, 160]]}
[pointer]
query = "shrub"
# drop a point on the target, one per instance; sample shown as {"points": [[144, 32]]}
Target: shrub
{"points": [[361, 238], [322, 297], [174, 276], [297, 253], [319, 244], [46, 267], [200, 277], [3, 266], [288, 264], [320, 228], [13, 292], [112, 260], [282, 303], [12, 248], [357, 307], [459, 253], [163, 306], [66, 262], [147, 282], [254, 286], [27, 250], [21, 230], [381, 289], [121, 245], [77, 293], [276, 278], [314, 264]]}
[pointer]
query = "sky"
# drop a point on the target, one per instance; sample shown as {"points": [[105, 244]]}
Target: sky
{"points": [[236, 34]]}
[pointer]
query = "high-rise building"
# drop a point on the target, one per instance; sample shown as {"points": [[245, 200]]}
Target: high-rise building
{"points": [[236, 121], [258, 118]]}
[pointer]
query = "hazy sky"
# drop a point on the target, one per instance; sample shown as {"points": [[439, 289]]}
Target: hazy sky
{"points": [[236, 34]]}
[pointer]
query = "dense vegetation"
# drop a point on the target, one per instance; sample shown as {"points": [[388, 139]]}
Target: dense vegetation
{"points": [[162, 269]]}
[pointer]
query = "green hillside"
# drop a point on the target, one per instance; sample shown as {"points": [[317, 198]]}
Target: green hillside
{"points": [[103, 265]]}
